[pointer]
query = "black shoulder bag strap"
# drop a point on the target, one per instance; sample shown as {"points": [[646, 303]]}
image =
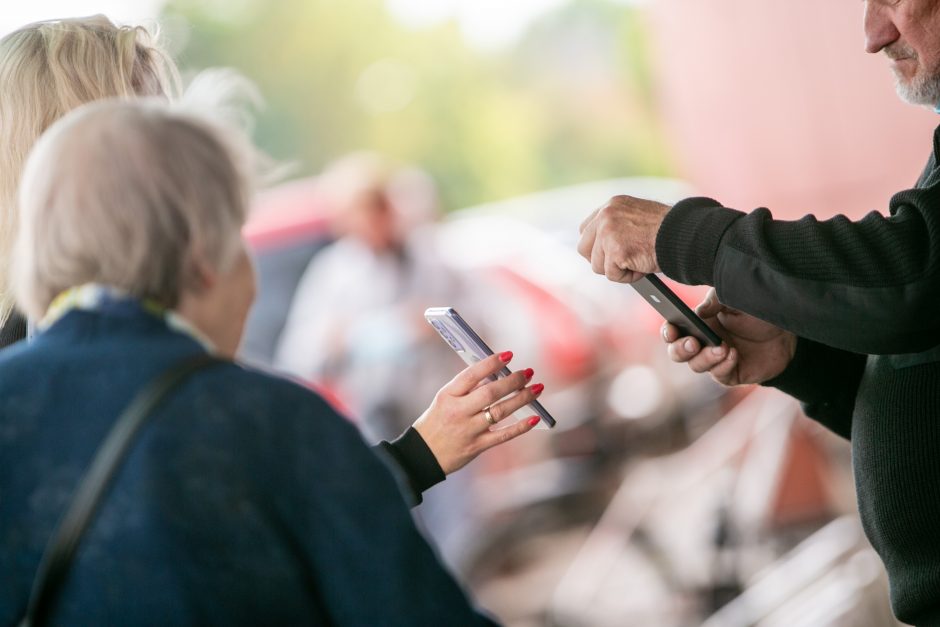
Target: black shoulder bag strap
{"points": [[60, 550]]}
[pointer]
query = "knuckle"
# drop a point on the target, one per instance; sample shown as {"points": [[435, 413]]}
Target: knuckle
{"points": [[466, 378], [492, 395]]}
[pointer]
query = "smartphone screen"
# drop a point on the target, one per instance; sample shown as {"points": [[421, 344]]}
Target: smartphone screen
{"points": [[470, 348]]}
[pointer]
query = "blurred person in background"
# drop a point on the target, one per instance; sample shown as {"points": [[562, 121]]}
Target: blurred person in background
{"points": [[842, 315], [356, 324], [356, 321], [247, 499]]}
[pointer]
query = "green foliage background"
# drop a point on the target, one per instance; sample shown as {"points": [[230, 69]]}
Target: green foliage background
{"points": [[571, 102]]}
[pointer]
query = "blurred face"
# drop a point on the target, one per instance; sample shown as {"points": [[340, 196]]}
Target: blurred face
{"points": [[908, 31], [373, 221], [220, 309]]}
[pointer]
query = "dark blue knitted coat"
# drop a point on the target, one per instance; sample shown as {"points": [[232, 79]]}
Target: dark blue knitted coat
{"points": [[246, 500]]}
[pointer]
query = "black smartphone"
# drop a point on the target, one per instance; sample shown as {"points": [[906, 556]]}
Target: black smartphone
{"points": [[467, 344], [676, 312]]}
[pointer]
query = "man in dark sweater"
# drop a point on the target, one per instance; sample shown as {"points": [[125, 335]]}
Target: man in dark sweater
{"points": [[842, 315]]}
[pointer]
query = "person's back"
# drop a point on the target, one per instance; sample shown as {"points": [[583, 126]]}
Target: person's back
{"points": [[246, 499]]}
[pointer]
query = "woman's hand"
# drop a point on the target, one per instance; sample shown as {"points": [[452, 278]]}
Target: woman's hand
{"points": [[754, 351], [458, 425]]}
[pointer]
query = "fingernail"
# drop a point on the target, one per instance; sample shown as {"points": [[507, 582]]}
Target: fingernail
{"points": [[505, 357], [534, 420], [664, 333], [718, 350], [528, 373], [537, 388], [688, 345]]}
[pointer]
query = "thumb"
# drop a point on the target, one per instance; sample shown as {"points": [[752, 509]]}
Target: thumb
{"points": [[709, 307]]}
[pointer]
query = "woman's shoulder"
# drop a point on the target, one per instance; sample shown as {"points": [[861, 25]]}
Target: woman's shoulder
{"points": [[261, 413], [247, 385], [262, 400]]}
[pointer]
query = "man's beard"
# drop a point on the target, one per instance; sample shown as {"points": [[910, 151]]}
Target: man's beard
{"points": [[923, 89]]}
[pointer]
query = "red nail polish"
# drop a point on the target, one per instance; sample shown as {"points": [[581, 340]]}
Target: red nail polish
{"points": [[537, 388], [505, 357], [534, 420], [528, 373]]}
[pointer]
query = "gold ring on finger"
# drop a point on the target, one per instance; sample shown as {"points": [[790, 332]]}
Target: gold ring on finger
{"points": [[488, 416]]}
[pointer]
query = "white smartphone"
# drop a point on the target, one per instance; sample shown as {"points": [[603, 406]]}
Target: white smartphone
{"points": [[467, 344]]}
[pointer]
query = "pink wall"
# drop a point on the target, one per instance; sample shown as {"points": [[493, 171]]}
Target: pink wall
{"points": [[777, 104]]}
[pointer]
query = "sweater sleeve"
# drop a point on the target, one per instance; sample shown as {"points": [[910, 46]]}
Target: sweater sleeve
{"points": [[866, 286], [410, 459], [825, 380]]}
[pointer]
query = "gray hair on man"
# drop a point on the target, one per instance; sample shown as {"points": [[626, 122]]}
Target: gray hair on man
{"points": [[133, 195]]}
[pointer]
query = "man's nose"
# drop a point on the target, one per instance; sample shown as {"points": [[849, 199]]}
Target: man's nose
{"points": [[880, 31]]}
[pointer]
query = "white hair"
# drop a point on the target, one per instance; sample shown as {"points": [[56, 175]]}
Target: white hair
{"points": [[923, 89], [132, 195]]}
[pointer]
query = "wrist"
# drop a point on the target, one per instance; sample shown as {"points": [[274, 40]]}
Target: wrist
{"points": [[688, 238], [418, 459]]}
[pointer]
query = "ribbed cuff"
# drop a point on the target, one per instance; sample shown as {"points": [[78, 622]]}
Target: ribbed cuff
{"points": [[417, 462], [825, 381], [794, 380], [688, 239]]}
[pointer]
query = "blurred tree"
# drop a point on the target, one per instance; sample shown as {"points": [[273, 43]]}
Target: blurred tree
{"points": [[570, 103]]}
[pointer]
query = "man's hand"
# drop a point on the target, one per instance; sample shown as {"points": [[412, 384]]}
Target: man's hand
{"points": [[754, 351], [619, 239]]}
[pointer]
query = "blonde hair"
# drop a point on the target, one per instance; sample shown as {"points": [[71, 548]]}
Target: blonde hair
{"points": [[49, 68], [132, 195]]}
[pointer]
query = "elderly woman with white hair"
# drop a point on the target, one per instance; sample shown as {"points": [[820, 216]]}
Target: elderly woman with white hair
{"points": [[245, 499]]}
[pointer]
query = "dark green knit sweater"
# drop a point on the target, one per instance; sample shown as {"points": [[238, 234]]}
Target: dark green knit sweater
{"points": [[864, 298]]}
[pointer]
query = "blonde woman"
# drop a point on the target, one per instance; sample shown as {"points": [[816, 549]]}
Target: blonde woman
{"points": [[46, 70]]}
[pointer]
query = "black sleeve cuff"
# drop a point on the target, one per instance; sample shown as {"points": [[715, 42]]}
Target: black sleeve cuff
{"points": [[416, 463], [825, 380], [688, 239]]}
